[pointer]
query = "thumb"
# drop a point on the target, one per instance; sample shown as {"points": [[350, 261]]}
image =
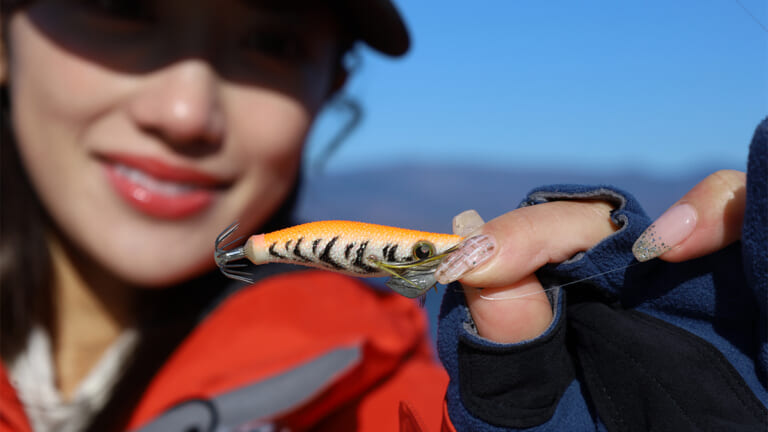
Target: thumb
{"points": [[496, 321], [708, 218], [503, 255]]}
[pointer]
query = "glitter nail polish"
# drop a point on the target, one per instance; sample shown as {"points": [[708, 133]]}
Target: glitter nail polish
{"points": [[472, 253], [669, 230]]}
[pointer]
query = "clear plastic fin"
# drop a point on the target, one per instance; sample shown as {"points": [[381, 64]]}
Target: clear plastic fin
{"points": [[412, 285]]}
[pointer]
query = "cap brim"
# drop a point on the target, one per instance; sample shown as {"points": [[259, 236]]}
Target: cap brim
{"points": [[377, 23]]}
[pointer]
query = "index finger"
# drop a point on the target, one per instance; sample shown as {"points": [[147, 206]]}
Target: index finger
{"points": [[530, 237]]}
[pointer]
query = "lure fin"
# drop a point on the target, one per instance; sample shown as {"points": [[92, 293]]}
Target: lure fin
{"points": [[413, 285], [413, 279]]}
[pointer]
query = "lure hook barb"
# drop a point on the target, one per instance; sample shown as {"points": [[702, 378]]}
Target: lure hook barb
{"points": [[226, 256]]}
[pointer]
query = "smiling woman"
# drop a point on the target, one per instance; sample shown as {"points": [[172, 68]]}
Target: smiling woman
{"points": [[137, 130], [146, 138]]}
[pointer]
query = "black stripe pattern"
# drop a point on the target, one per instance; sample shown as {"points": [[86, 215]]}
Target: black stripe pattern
{"points": [[348, 249], [326, 255], [391, 257], [297, 251], [359, 256], [274, 253]]}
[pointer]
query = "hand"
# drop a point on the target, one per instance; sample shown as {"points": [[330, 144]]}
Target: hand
{"points": [[504, 253]]}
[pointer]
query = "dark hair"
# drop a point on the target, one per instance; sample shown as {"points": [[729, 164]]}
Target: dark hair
{"points": [[24, 260]]}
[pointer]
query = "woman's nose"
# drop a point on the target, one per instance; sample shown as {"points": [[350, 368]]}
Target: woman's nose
{"points": [[181, 105]]}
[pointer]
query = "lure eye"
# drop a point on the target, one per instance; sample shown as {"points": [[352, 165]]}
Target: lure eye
{"points": [[423, 249]]}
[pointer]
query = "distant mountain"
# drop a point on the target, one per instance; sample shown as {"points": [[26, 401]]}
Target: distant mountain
{"points": [[427, 198]]}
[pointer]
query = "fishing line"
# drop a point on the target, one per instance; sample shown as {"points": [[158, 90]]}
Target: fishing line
{"points": [[754, 18], [516, 295]]}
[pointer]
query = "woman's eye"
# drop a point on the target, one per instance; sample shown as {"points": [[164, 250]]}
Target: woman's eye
{"points": [[423, 250], [124, 10], [281, 46]]}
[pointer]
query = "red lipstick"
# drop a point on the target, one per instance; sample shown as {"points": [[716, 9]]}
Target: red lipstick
{"points": [[159, 189]]}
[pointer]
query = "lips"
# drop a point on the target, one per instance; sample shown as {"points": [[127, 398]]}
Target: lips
{"points": [[161, 190]]}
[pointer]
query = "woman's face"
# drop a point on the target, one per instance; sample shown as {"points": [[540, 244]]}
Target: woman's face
{"points": [[147, 127]]}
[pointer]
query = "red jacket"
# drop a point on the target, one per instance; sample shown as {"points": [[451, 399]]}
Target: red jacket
{"points": [[306, 350]]}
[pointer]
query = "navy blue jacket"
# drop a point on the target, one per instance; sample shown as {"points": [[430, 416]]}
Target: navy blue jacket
{"points": [[658, 346]]}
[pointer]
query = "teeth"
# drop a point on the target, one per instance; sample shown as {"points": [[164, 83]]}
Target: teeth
{"points": [[143, 179]]}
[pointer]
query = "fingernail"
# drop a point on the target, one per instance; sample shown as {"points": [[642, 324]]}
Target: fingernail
{"points": [[466, 222], [472, 253], [669, 230]]}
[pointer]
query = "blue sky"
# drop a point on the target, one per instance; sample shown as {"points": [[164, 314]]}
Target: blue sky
{"points": [[656, 86]]}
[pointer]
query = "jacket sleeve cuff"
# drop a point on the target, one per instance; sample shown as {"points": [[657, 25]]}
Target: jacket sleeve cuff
{"points": [[516, 385], [499, 386]]}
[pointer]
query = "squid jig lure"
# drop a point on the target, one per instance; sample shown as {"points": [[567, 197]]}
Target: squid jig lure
{"points": [[358, 249]]}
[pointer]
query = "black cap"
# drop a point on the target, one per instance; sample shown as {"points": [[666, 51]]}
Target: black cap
{"points": [[377, 23]]}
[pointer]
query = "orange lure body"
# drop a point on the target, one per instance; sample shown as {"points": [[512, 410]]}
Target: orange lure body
{"points": [[352, 248]]}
